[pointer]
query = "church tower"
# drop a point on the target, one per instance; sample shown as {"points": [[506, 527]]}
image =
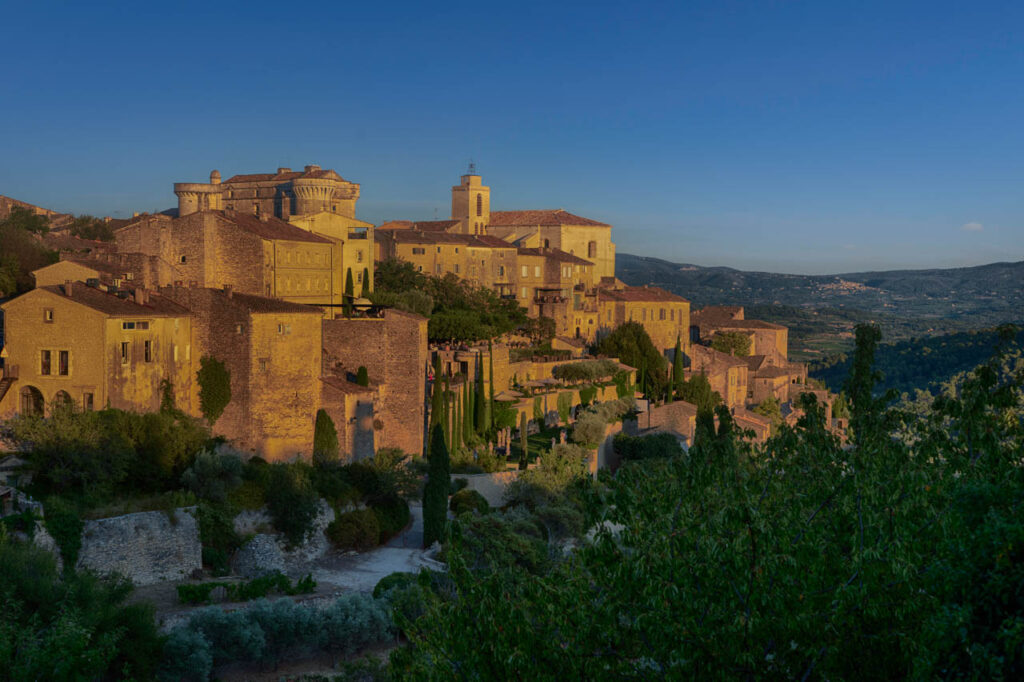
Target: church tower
{"points": [[471, 203]]}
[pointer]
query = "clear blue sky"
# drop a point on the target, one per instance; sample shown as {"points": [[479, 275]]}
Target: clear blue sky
{"points": [[788, 136]]}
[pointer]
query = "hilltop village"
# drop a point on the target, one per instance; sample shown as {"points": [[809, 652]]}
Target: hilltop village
{"points": [[271, 276]]}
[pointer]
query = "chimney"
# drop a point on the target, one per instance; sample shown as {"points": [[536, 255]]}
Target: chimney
{"points": [[68, 288], [141, 296], [312, 167], [229, 290]]}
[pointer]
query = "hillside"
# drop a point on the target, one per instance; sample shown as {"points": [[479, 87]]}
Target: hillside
{"points": [[821, 310]]}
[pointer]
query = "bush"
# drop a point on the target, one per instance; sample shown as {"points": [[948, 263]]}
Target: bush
{"points": [[391, 581], [217, 533], [587, 395], [64, 523], [564, 407], [357, 530], [332, 483], [325, 438], [561, 520], [393, 516], [214, 474], [467, 500], [589, 430], [292, 501], [247, 496], [257, 588], [214, 381], [659, 445]]}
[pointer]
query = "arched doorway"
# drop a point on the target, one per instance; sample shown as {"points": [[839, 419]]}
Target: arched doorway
{"points": [[62, 399], [31, 401]]}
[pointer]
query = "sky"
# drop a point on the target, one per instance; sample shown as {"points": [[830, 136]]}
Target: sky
{"points": [[807, 137]]}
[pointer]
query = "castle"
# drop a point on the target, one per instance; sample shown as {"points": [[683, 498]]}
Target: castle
{"points": [[261, 271]]}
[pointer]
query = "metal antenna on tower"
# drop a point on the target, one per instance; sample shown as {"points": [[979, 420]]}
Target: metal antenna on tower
{"points": [[472, 168]]}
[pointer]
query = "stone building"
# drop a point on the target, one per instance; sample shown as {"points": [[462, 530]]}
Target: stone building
{"points": [[665, 316], [728, 375], [393, 348], [272, 349], [73, 342]]}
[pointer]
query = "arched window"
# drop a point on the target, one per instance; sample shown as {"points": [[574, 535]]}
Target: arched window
{"points": [[61, 398], [31, 401], [479, 204]]}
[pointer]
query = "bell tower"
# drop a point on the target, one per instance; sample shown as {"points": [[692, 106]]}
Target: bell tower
{"points": [[471, 203]]}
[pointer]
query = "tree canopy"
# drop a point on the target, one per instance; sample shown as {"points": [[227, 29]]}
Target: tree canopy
{"points": [[631, 344]]}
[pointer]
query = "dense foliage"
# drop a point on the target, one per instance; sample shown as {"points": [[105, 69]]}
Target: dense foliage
{"points": [[631, 345], [733, 343], [458, 309], [435, 494], [214, 381], [21, 250], [898, 557]]}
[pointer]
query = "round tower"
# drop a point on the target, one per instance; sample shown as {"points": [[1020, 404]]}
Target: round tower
{"points": [[313, 195], [199, 196]]}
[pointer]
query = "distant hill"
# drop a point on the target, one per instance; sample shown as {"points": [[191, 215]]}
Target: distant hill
{"points": [[821, 310]]}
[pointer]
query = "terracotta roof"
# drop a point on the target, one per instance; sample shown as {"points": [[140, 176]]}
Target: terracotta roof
{"points": [[745, 415], [110, 304], [704, 356], [417, 237], [395, 225], [342, 384], [271, 228], [716, 313], [554, 254], [640, 295], [756, 362], [63, 241], [748, 324], [542, 217], [771, 373], [284, 177]]}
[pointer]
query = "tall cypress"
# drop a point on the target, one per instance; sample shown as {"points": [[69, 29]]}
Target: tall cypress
{"points": [[457, 422], [350, 291], [490, 370], [447, 416], [677, 367], [436, 406], [435, 493], [524, 443], [480, 408], [366, 282], [467, 412]]}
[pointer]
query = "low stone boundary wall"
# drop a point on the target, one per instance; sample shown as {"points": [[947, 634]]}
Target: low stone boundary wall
{"points": [[491, 486], [146, 547]]}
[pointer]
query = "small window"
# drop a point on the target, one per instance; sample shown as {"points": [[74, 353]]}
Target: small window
{"points": [[181, 259], [125, 352], [526, 271], [419, 268], [536, 271], [359, 256], [44, 362], [256, 209], [147, 350], [175, 353], [501, 271], [63, 362], [662, 314], [456, 249], [439, 249], [359, 278], [592, 249], [47, 314], [523, 292], [127, 325], [284, 329], [456, 267], [142, 325], [479, 205], [239, 328], [263, 364], [88, 404]]}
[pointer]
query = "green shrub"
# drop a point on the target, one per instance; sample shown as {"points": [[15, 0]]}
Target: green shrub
{"points": [[392, 514], [589, 430], [65, 524], [357, 530], [247, 496], [217, 533], [214, 474], [458, 484], [391, 581], [325, 438], [587, 395], [332, 483], [467, 500], [214, 381], [659, 445], [564, 407], [256, 588], [292, 501]]}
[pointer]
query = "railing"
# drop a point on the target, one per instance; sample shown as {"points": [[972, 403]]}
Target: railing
{"points": [[9, 372]]}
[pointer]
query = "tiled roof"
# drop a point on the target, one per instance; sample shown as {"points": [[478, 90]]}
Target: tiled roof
{"points": [[284, 177], [771, 372], [110, 304], [254, 304], [554, 254], [417, 237], [542, 217], [421, 225], [748, 324], [756, 362], [640, 295], [702, 355], [271, 228], [716, 313]]}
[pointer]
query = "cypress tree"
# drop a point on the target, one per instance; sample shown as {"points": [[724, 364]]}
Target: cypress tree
{"points": [[366, 282], [490, 378], [447, 416], [362, 376], [480, 407], [467, 412], [436, 406], [524, 443], [677, 367], [435, 493], [457, 422], [350, 291], [325, 438]]}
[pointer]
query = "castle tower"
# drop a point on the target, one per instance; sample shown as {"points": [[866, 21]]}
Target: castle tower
{"points": [[471, 203], [199, 196]]}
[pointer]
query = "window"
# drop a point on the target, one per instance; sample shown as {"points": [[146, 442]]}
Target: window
{"points": [[147, 350], [526, 271], [456, 267], [672, 315], [501, 271], [439, 249], [479, 204], [456, 249], [87, 402], [359, 256], [644, 315], [592, 249], [135, 324], [125, 352], [359, 278], [419, 268], [418, 251], [263, 364], [239, 328], [437, 269], [47, 314], [181, 258], [547, 243], [175, 353], [536, 271], [63, 362], [662, 317], [256, 209], [523, 294], [284, 329], [44, 362]]}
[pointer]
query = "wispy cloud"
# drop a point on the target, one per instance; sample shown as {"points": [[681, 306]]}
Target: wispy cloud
{"points": [[972, 227]]}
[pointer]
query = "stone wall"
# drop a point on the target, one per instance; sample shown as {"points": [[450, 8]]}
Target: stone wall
{"points": [[147, 547]]}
